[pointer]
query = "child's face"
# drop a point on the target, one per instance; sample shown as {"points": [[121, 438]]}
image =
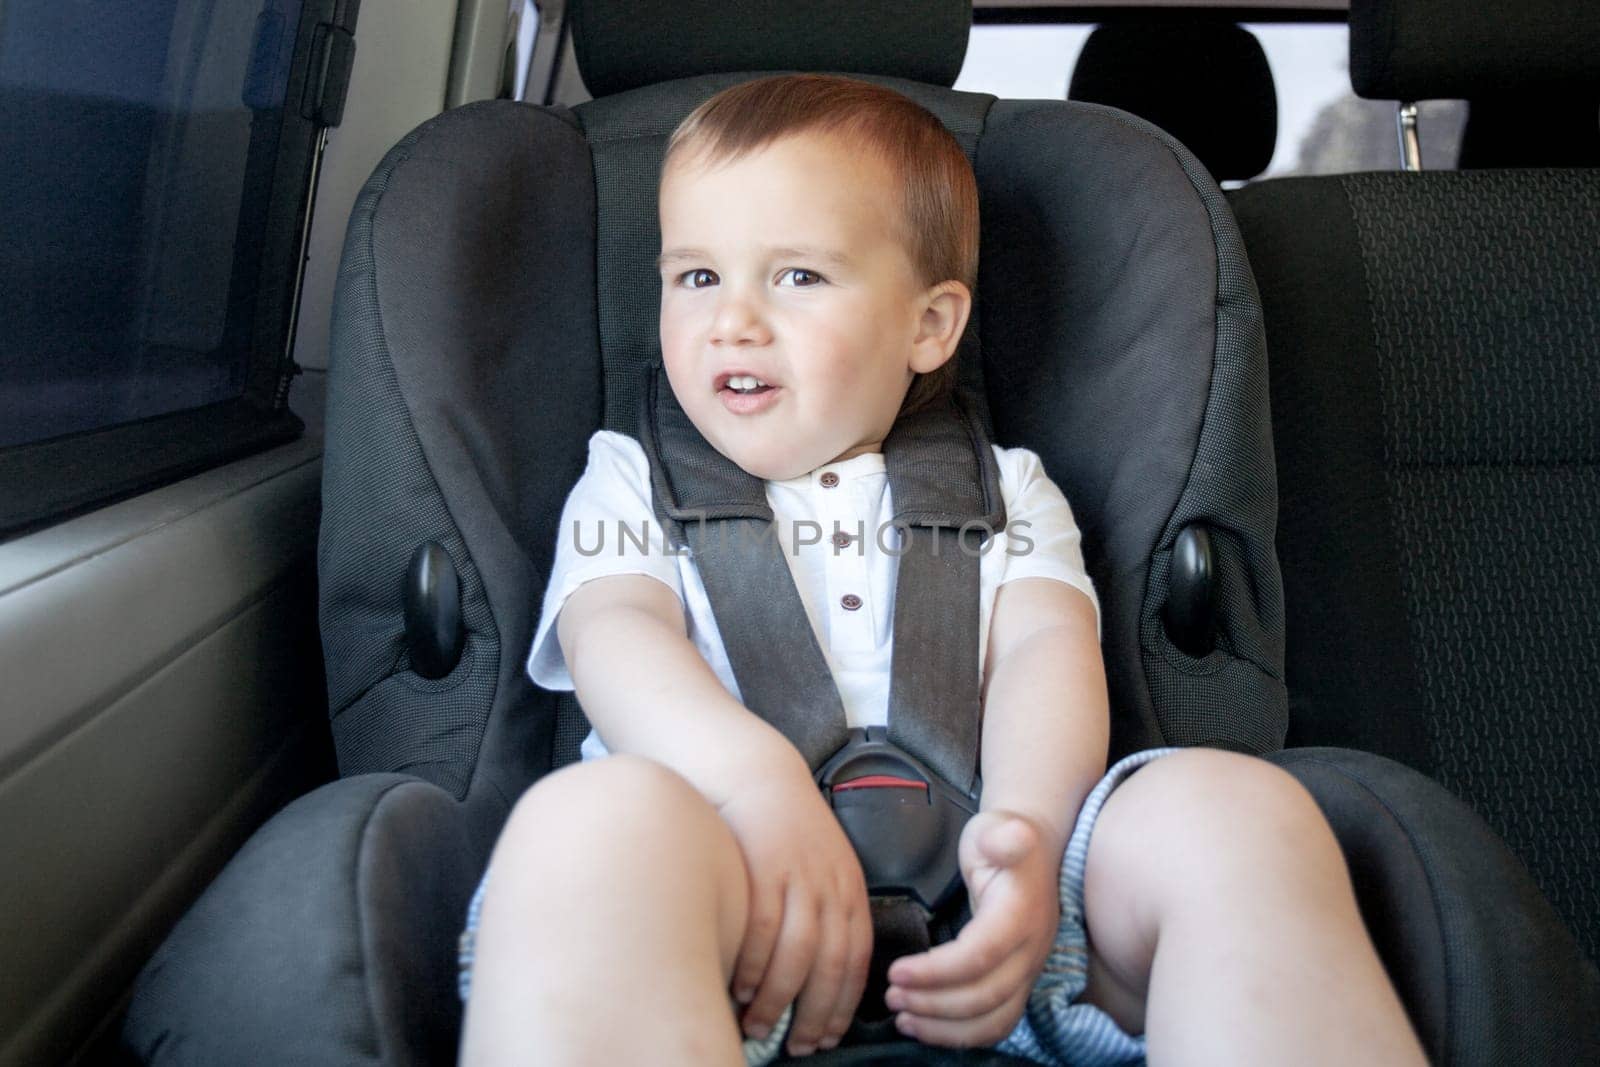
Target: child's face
{"points": [[787, 264]]}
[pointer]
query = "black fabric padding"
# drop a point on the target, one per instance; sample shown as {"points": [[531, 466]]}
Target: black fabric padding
{"points": [[1441, 487], [419, 863], [1449, 50], [460, 402], [1487, 336], [1532, 130], [1486, 968], [1122, 342], [625, 44], [1205, 82], [1348, 659], [328, 939]]}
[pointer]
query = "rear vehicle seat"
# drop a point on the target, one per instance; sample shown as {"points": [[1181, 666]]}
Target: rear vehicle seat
{"points": [[1434, 345]]}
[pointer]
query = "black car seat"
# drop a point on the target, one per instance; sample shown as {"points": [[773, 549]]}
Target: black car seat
{"points": [[496, 303], [1435, 355], [1203, 80]]}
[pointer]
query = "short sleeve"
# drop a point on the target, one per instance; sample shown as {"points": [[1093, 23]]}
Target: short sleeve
{"points": [[608, 527], [1042, 537]]}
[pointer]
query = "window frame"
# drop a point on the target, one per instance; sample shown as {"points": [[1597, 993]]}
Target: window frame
{"points": [[43, 482]]}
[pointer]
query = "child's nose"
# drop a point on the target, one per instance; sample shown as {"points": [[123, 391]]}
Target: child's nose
{"points": [[738, 321]]}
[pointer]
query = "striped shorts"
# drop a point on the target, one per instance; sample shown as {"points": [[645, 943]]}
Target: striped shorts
{"points": [[1054, 1029]]}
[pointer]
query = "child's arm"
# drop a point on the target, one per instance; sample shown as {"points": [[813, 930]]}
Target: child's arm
{"points": [[648, 691], [1045, 733], [1046, 713]]}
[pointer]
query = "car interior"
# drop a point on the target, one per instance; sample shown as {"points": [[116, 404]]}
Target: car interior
{"points": [[309, 309]]}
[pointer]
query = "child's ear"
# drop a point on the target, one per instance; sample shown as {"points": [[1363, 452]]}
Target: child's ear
{"points": [[945, 309]]}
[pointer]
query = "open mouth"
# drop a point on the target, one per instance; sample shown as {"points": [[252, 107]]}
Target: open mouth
{"points": [[745, 385]]}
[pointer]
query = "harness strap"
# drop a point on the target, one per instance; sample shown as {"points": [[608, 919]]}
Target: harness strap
{"points": [[944, 485], [720, 511]]}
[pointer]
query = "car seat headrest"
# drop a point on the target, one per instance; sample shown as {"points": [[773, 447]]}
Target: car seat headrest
{"points": [[1472, 49], [623, 44], [1532, 130], [1205, 82]]}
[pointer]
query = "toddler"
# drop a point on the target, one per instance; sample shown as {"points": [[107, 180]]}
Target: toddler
{"points": [[686, 885]]}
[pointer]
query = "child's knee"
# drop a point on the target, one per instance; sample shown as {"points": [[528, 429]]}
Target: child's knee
{"points": [[628, 825], [618, 795], [620, 817], [1204, 813]]}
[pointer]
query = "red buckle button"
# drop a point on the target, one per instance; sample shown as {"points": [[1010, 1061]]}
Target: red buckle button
{"points": [[880, 781]]}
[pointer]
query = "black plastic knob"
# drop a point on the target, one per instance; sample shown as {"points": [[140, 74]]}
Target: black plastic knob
{"points": [[1190, 614], [434, 630]]}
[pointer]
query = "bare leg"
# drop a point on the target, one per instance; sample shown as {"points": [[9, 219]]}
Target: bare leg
{"points": [[1224, 925], [610, 927]]}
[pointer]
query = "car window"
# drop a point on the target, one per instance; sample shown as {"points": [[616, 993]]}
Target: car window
{"points": [[135, 182], [157, 165]]}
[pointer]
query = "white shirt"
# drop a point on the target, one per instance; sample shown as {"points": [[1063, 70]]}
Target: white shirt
{"points": [[608, 526]]}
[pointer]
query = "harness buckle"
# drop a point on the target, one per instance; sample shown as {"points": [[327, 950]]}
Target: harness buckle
{"points": [[904, 822]]}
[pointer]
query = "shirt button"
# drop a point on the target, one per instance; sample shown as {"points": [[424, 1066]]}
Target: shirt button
{"points": [[850, 602], [841, 539], [828, 479]]}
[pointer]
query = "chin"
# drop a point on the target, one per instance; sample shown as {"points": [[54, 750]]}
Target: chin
{"points": [[763, 463], [767, 469]]}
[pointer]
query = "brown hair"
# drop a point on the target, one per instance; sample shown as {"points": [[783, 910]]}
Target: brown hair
{"points": [[941, 195]]}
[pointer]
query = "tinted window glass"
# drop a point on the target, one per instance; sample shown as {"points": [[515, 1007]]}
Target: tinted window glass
{"points": [[139, 143]]}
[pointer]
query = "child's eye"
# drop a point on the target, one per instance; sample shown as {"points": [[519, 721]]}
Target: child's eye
{"points": [[698, 278], [800, 278]]}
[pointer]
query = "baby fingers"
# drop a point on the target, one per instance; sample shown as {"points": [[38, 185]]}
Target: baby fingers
{"points": [[987, 1029], [969, 1000], [981, 947], [831, 972], [844, 1009], [792, 959]]}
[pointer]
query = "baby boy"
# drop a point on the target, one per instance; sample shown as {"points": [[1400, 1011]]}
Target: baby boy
{"points": [[819, 255]]}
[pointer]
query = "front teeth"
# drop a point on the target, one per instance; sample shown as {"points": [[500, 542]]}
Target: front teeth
{"points": [[745, 382]]}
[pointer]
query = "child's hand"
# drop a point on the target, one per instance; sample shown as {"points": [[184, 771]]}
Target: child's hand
{"points": [[809, 931], [971, 991]]}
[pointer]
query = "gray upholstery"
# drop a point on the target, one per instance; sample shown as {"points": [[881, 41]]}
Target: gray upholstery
{"points": [[1432, 878], [329, 939], [458, 414], [1440, 453], [1436, 355]]}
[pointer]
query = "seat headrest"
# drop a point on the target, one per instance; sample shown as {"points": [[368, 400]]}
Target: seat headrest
{"points": [[1532, 130], [1205, 82], [623, 44], [1472, 49]]}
